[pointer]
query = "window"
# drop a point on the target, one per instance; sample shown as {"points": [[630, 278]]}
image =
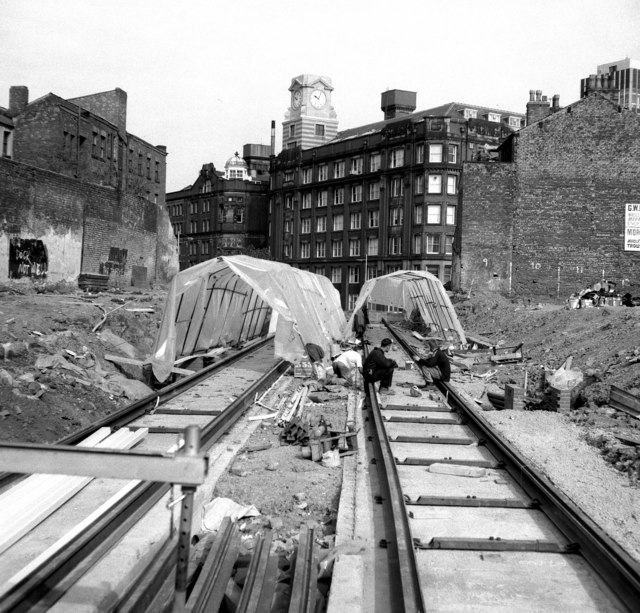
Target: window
{"points": [[94, 145], [353, 299], [323, 172], [434, 186], [139, 164], [204, 248], [130, 161], [320, 129], [193, 227], [419, 153], [338, 195], [206, 225], [433, 214], [193, 248], [292, 130], [307, 176], [288, 201], [336, 249], [338, 169], [319, 270], [206, 206], [157, 173], [515, 122], [287, 251], [451, 215], [470, 114], [433, 243], [305, 250], [395, 245], [338, 222], [287, 226], [354, 247], [305, 225], [306, 200], [372, 272], [322, 198], [372, 245], [373, 219], [448, 244], [452, 154], [452, 184], [356, 193], [417, 244], [193, 208], [397, 158], [494, 117], [375, 162], [288, 176], [355, 221], [396, 216], [354, 274], [148, 164], [336, 274], [447, 273], [417, 214], [356, 166], [434, 270], [397, 187], [435, 154], [374, 190], [321, 223], [418, 184], [321, 249]]}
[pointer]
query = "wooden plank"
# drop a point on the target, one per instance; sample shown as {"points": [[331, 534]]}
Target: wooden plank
{"points": [[624, 401]]}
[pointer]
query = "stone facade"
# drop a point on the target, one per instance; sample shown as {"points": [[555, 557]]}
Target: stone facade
{"points": [[550, 222]]}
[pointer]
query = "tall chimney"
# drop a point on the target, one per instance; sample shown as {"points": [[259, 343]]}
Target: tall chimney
{"points": [[273, 137], [396, 102], [18, 99], [537, 108], [555, 105]]}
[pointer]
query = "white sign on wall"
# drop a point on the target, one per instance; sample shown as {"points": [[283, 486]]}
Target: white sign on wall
{"points": [[632, 227]]}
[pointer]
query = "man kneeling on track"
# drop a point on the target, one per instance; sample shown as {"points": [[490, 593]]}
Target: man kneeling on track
{"points": [[378, 367]]}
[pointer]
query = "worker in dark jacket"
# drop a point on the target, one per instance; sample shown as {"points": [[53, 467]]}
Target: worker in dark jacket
{"points": [[378, 367], [437, 367]]}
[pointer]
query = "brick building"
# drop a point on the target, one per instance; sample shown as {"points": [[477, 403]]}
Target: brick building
{"points": [[79, 193], [550, 218], [380, 197], [223, 212]]}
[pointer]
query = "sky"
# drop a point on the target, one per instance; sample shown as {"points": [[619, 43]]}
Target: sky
{"points": [[205, 77]]}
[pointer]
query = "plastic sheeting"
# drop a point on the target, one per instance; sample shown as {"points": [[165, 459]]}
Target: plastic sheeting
{"points": [[230, 300], [409, 290]]}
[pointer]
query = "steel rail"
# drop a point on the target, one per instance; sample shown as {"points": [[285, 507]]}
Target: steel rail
{"points": [[616, 567], [78, 557], [406, 567], [148, 403]]}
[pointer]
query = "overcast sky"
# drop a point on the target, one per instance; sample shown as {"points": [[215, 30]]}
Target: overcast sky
{"points": [[204, 77]]}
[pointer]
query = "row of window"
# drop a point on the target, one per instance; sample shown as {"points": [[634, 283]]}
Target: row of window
{"points": [[204, 225], [433, 185], [437, 153], [430, 214], [428, 244]]}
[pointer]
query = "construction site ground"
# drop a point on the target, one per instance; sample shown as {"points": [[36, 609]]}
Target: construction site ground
{"points": [[54, 379]]}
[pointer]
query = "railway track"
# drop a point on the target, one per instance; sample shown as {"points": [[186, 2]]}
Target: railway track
{"points": [[467, 525], [118, 539]]}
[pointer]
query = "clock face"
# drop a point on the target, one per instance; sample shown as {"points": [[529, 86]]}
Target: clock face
{"points": [[318, 98], [297, 98]]}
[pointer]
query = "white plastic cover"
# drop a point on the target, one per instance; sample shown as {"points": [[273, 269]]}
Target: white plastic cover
{"points": [[409, 290], [229, 300]]}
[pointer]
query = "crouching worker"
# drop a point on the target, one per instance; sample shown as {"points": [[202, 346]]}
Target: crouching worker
{"points": [[378, 367], [348, 365], [437, 367]]}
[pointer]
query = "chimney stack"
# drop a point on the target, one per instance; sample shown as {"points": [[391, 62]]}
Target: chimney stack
{"points": [[273, 137], [18, 99], [397, 102], [537, 108]]}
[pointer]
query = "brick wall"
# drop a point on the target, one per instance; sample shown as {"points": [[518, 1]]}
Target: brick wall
{"points": [[572, 175], [85, 227]]}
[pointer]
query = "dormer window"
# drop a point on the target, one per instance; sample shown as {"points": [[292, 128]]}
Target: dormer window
{"points": [[470, 113], [515, 122], [496, 117]]}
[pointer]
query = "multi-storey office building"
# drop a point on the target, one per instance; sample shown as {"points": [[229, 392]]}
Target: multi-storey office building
{"points": [[381, 197], [621, 79], [223, 213]]}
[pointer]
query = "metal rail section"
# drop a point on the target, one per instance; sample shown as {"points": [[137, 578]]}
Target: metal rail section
{"points": [[616, 567], [45, 582], [406, 566]]}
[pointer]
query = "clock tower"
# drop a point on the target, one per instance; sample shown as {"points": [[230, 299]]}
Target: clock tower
{"points": [[310, 121]]}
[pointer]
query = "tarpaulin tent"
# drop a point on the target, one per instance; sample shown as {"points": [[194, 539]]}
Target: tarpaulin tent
{"points": [[229, 300], [409, 290]]}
